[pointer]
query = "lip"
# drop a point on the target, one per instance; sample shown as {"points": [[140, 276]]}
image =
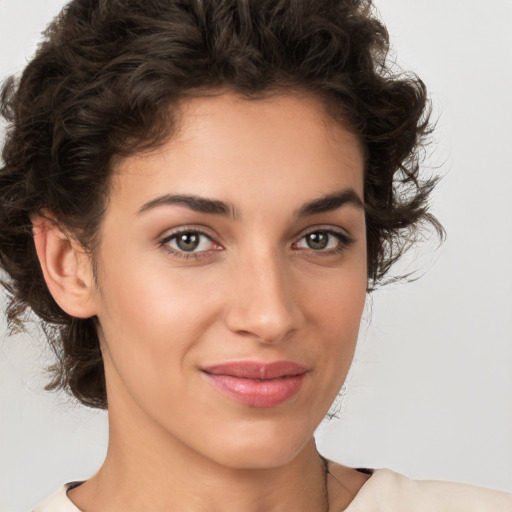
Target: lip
{"points": [[257, 384]]}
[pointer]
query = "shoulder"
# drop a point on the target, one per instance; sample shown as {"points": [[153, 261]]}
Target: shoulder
{"points": [[387, 491], [59, 501]]}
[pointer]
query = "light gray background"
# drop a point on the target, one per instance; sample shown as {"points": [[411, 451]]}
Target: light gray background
{"points": [[430, 394]]}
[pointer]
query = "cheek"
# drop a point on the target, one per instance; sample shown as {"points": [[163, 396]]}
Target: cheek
{"points": [[335, 311], [151, 319], [336, 302]]}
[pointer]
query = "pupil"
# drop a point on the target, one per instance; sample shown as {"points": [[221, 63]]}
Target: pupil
{"points": [[317, 240], [188, 241]]}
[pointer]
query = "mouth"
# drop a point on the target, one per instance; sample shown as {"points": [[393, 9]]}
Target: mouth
{"points": [[257, 384]]}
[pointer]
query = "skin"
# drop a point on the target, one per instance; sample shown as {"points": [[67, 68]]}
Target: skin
{"points": [[254, 289]]}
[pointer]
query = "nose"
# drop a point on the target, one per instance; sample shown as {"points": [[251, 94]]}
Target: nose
{"points": [[263, 303]]}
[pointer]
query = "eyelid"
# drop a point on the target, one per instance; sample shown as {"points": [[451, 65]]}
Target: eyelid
{"points": [[328, 228], [163, 242], [344, 238], [170, 234]]}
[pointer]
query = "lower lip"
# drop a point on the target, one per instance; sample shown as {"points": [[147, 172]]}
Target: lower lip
{"points": [[258, 393]]}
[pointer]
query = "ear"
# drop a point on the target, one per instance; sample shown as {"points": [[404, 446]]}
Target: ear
{"points": [[66, 267]]}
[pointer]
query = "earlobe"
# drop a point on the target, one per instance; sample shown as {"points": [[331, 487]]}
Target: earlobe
{"points": [[66, 268]]}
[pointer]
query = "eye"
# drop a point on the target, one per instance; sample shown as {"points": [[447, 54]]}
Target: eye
{"points": [[189, 243], [324, 240]]}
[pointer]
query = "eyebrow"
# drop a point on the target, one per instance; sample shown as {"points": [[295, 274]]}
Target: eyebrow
{"points": [[196, 203], [331, 202], [324, 204]]}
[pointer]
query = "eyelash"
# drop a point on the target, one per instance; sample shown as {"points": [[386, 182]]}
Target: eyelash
{"points": [[164, 243], [344, 241]]}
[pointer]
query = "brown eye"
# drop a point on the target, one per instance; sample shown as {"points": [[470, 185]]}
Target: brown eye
{"points": [[323, 241], [189, 242], [317, 240]]}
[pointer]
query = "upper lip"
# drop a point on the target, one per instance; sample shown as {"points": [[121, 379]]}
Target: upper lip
{"points": [[257, 370]]}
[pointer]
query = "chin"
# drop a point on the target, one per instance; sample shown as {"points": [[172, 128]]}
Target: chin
{"points": [[262, 449]]}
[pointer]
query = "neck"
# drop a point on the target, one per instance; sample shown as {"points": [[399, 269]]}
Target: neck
{"points": [[146, 468]]}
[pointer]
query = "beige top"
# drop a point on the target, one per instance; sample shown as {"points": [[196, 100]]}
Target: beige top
{"points": [[385, 491]]}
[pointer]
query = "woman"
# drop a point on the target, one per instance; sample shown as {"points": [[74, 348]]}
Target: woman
{"points": [[196, 198]]}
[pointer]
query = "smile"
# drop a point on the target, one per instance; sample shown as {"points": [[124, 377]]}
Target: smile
{"points": [[257, 384]]}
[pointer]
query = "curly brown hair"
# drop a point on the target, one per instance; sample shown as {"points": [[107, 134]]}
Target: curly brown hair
{"points": [[106, 82]]}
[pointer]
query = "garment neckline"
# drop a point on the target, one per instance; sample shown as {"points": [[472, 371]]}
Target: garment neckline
{"points": [[74, 484]]}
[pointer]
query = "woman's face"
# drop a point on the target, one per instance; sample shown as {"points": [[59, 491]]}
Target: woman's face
{"points": [[232, 278]]}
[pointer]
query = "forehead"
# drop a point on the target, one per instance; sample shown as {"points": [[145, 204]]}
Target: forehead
{"points": [[224, 143]]}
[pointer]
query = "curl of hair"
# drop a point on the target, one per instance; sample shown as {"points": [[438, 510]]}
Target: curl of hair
{"points": [[103, 85]]}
